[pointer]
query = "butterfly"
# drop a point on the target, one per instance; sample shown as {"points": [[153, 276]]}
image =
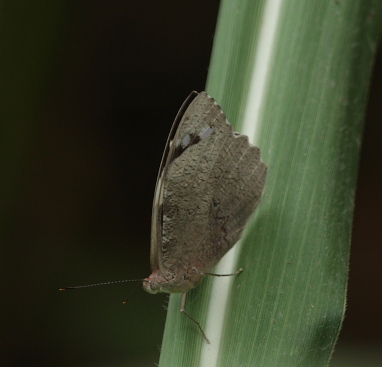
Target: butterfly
{"points": [[210, 181]]}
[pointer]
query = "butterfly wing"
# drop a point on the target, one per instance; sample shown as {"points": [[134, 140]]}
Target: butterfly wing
{"points": [[212, 183], [169, 152]]}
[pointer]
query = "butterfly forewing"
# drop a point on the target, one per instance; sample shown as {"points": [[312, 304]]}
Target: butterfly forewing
{"points": [[169, 152]]}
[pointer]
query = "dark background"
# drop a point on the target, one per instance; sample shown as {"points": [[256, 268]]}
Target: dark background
{"points": [[89, 93]]}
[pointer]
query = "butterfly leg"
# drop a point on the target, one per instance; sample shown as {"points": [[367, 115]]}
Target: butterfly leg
{"points": [[183, 310], [225, 275]]}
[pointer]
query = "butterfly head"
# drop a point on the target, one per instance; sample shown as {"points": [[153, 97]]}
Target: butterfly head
{"points": [[157, 283]]}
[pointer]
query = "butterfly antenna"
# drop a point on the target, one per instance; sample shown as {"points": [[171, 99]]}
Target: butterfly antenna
{"points": [[98, 284]]}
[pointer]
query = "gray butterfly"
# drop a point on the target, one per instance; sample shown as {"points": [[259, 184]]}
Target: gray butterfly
{"points": [[210, 182]]}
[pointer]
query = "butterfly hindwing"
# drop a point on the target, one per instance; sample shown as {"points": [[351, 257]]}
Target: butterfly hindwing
{"points": [[211, 183]]}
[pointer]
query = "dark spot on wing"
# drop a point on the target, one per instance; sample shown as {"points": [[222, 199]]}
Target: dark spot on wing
{"points": [[191, 139]]}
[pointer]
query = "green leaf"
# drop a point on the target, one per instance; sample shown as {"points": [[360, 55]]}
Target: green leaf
{"points": [[293, 75]]}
